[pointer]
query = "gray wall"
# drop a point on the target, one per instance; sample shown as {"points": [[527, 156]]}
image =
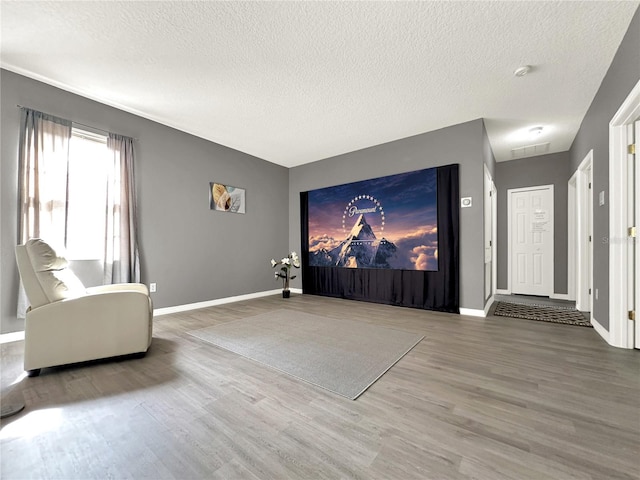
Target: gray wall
{"points": [[489, 158], [194, 254], [462, 144], [620, 79], [552, 169]]}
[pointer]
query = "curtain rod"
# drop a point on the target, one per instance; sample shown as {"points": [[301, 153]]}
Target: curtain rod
{"points": [[83, 124]]}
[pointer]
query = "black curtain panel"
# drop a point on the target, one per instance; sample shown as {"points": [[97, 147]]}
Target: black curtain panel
{"points": [[431, 290]]}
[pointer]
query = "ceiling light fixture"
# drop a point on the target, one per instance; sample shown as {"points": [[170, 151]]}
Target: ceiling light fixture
{"points": [[535, 132], [522, 71]]}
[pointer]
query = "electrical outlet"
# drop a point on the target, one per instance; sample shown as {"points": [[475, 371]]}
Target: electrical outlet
{"points": [[152, 287]]}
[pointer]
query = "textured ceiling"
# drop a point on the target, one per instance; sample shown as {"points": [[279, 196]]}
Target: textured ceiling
{"points": [[295, 82]]}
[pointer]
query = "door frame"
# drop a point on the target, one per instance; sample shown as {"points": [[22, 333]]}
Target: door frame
{"points": [[572, 227], [511, 191], [490, 232], [580, 230], [620, 332], [494, 237]]}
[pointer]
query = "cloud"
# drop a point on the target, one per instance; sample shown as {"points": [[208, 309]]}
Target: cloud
{"points": [[421, 261], [422, 236], [424, 257], [322, 241], [425, 232]]}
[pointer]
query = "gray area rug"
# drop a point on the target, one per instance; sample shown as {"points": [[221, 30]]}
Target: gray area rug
{"points": [[343, 356], [565, 315]]}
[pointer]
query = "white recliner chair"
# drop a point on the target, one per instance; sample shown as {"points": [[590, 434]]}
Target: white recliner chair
{"points": [[67, 323]]}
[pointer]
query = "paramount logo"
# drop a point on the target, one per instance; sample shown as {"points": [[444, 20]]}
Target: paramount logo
{"points": [[357, 211]]}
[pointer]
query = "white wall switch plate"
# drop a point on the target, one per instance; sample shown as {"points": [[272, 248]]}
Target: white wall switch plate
{"points": [[601, 198], [152, 288]]}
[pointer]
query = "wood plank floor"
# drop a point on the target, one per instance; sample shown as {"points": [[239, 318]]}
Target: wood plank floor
{"points": [[478, 398]]}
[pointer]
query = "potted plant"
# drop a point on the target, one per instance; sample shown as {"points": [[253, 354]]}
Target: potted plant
{"points": [[284, 271]]}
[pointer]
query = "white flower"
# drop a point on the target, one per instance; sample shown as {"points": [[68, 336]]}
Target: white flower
{"points": [[273, 262], [296, 263], [294, 255], [285, 261], [277, 275]]}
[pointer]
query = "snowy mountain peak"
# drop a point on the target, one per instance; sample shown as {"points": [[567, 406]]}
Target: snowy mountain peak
{"points": [[360, 249], [361, 230]]}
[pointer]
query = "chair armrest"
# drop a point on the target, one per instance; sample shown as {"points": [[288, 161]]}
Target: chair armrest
{"points": [[119, 287]]}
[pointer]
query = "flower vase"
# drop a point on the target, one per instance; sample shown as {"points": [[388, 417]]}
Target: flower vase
{"points": [[286, 293]]}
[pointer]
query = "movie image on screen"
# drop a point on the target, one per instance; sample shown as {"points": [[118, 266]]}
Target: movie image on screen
{"points": [[387, 222]]}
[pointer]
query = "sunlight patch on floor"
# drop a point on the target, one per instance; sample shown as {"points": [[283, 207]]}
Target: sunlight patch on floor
{"points": [[33, 424]]}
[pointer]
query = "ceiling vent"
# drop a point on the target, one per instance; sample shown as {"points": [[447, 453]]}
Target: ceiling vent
{"points": [[530, 150]]}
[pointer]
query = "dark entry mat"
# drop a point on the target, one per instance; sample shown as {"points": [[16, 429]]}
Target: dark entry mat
{"points": [[541, 313]]}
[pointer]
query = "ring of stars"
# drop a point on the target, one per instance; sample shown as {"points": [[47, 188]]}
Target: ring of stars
{"points": [[372, 199]]}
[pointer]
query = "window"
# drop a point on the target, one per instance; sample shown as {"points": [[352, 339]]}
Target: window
{"points": [[76, 187], [87, 195]]}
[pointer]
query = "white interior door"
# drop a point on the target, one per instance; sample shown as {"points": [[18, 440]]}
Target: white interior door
{"points": [[531, 240]]}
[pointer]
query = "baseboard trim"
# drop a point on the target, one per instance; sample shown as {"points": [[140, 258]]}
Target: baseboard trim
{"points": [[11, 337], [473, 312], [500, 291], [603, 332], [218, 301]]}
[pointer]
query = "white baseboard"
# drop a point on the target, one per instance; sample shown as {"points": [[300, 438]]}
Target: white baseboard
{"points": [[500, 291], [560, 296], [603, 332], [11, 337], [218, 301], [472, 312]]}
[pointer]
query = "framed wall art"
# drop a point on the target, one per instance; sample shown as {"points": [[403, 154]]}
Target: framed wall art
{"points": [[225, 198]]}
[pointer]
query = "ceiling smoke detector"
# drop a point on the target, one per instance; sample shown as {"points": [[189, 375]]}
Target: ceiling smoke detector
{"points": [[522, 71]]}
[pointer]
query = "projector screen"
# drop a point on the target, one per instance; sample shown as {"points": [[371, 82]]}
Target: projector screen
{"points": [[384, 223]]}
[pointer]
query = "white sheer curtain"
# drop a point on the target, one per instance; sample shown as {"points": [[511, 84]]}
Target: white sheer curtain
{"points": [[44, 195], [43, 181], [121, 256]]}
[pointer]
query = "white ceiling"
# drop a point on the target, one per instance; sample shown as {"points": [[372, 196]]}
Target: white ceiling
{"points": [[296, 82]]}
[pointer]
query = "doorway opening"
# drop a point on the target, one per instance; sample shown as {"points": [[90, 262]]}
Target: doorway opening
{"points": [[580, 235], [490, 234]]}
